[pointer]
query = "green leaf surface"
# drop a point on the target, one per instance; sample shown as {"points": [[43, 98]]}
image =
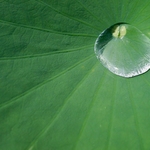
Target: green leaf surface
{"points": [[54, 93]]}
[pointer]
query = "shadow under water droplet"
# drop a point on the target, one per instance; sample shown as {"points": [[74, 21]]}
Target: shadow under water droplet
{"points": [[124, 50]]}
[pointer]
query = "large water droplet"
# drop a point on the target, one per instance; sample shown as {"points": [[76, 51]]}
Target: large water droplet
{"points": [[124, 50]]}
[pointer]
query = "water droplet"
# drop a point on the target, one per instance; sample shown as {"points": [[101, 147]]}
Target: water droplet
{"points": [[124, 50]]}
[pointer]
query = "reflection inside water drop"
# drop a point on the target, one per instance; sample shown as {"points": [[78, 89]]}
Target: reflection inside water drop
{"points": [[124, 50]]}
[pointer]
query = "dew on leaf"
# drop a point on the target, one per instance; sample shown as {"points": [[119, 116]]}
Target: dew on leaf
{"points": [[124, 50]]}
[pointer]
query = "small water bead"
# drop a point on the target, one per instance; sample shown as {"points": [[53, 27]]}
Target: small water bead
{"points": [[124, 50]]}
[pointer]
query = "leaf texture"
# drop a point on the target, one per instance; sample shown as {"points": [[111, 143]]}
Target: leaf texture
{"points": [[54, 93]]}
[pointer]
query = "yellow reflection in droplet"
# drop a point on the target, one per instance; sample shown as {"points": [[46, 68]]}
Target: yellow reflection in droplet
{"points": [[119, 31]]}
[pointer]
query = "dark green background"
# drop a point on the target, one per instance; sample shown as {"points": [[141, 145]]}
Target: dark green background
{"points": [[54, 93]]}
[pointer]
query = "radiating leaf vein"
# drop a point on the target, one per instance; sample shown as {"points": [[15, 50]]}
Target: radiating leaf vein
{"points": [[46, 30], [111, 116], [68, 16], [18, 98], [48, 54], [90, 109], [136, 121], [46, 129]]}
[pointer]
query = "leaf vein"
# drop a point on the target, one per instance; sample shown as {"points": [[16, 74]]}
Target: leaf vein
{"points": [[89, 110], [45, 130], [46, 30], [17, 98], [47, 54], [111, 116], [68, 16], [136, 121]]}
